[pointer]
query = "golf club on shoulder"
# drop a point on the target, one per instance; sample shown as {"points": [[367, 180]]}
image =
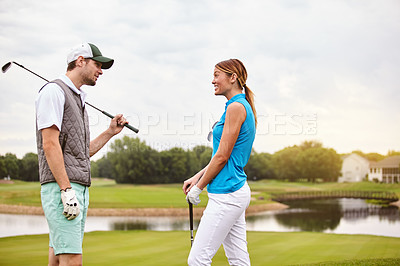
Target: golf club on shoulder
{"points": [[8, 65]]}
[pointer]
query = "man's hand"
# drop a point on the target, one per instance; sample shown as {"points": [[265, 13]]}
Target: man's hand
{"points": [[193, 195], [117, 124], [71, 204]]}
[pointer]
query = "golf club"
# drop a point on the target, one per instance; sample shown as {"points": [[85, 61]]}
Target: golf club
{"points": [[191, 222], [210, 134], [8, 65]]}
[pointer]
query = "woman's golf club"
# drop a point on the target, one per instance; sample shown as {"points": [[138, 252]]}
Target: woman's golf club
{"points": [[191, 222], [8, 65]]}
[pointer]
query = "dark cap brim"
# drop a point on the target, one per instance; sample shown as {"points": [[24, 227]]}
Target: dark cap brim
{"points": [[106, 62]]}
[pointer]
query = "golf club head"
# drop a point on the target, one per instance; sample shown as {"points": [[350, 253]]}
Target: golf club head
{"points": [[210, 134], [6, 67]]}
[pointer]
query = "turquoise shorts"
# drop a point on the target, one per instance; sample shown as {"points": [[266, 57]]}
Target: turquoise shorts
{"points": [[65, 236]]}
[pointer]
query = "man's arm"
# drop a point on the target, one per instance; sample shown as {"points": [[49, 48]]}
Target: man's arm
{"points": [[116, 125], [54, 155]]}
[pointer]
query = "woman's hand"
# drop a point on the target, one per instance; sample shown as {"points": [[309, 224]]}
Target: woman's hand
{"points": [[189, 183]]}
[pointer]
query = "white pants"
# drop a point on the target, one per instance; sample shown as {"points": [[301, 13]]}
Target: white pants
{"points": [[223, 222]]}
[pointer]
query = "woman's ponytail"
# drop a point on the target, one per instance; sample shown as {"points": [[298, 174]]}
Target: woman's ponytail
{"points": [[250, 98], [236, 66]]}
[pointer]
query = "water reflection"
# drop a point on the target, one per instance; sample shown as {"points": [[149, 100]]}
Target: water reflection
{"points": [[136, 223], [312, 215], [341, 216]]}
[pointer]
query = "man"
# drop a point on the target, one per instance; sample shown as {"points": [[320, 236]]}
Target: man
{"points": [[64, 151]]}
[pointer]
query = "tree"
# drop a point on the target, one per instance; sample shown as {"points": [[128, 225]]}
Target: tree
{"points": [[373, 156], [133, 161], [392, 153], [310, 161], [11, 163], [309, 144], [202, 157], [94, 169], [29, 170], [205, 157], [175, 163], [102, 168], [3, 168], [259, 166], [319, 163], [285, 163]]}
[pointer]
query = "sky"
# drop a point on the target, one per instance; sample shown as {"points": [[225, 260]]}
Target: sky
{"points": [[320, 70]]}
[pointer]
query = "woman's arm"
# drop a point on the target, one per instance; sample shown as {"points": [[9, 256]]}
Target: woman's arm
{"points": [[189, 183], [235, 116]]}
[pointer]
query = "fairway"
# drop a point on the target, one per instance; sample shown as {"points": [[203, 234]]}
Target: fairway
{"points": [[105, 193], [172, 248]]}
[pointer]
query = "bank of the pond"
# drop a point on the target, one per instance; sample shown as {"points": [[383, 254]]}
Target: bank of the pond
{"points": [[197, 211]]}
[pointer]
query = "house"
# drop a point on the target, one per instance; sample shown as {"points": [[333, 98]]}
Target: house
{"points": [[386, 170], [354, 168]]}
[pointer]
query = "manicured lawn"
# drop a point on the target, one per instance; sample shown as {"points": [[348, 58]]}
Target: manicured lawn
{"points": [[108, 194], [20, 193], [105, 194], [172, 248]]}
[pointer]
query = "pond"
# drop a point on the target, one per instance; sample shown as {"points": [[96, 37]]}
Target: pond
{"points": [[339, 216]]}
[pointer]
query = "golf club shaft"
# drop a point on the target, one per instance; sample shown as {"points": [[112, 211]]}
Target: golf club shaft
{"points": [[111, 116], [191, 223], [30, 71], [7, 66]]}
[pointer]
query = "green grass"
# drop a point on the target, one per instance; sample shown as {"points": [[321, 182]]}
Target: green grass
{"points": [[20, 193], [107, 194], [172, 248], [138, 196]]}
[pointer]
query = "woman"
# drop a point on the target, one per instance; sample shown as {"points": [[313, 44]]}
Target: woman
{"points": [[223, 220]]}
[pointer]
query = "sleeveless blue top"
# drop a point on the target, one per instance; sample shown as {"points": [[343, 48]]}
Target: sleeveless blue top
{"points": [[232, 177]]}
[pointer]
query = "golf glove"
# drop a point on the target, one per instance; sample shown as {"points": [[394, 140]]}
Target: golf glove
{"points": [[70, 202], [193, 195]]}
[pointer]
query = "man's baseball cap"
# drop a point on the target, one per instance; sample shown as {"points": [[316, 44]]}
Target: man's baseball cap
{"points": [[88, 50]]}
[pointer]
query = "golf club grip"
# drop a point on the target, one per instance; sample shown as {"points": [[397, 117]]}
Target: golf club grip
{"points": [[126, 125], [191, 215]]}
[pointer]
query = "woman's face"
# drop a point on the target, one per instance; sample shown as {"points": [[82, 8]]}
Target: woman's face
{"points": [[221, 82]]}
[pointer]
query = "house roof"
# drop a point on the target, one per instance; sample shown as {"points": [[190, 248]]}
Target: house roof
{"points": [[389, 162], [356, 157]]}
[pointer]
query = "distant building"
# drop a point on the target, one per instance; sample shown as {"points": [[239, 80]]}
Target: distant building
{"points": [[386, 170], [354, 168]]}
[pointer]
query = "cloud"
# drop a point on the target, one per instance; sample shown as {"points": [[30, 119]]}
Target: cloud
{"points": [[335, 63]]}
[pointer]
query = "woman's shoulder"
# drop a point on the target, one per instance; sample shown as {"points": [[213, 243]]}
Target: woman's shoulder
{"points": [[236, 107]]}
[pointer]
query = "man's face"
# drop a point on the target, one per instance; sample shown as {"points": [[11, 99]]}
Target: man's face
{"points": [[91, 72]]}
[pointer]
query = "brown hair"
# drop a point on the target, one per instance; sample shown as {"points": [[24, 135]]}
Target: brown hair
{"points": [[72, 64], [232, 66]]}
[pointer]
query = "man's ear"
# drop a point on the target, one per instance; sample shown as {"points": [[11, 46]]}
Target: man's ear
{"points": [[80, 61]]}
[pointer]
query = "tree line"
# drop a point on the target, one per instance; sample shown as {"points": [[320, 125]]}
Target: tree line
{"points": [[23, 169], [131, 160]]}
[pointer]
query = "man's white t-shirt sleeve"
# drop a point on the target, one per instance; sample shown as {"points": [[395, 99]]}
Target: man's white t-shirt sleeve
{"points": [[50, 106]]}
